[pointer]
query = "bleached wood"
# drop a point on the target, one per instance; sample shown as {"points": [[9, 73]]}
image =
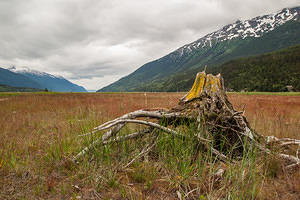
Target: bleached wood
{"points": [[158, 114], [104, 137]]}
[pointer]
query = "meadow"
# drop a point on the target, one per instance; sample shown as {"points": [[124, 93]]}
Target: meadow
{"points": [[39, 134]]}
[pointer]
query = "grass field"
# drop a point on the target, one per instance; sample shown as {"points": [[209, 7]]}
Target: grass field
{"points": [[39, 134]]}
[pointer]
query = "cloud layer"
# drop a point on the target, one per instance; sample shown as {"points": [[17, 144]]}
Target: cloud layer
{"points": [[96, 42]]}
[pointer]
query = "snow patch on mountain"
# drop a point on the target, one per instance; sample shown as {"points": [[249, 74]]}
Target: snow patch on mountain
{"points": [[24, 70], [49, 81], [255, 27]]}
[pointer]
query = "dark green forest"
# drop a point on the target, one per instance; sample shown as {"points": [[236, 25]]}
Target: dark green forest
{"points": [[270, 72], [6, 88]]}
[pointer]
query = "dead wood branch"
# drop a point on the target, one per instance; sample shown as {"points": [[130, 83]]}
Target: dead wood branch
{"points": [[104, 137], [143, 152], [282, 141], [159, 114]]}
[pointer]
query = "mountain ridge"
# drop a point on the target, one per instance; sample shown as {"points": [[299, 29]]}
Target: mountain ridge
{"points": [[216, 48], [49, 81], [10, 78], [25, 77], [25, 69]]}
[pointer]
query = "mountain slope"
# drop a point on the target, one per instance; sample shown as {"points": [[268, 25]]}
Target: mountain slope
{"points": [[284, 36], [267, 72], [242, 38], [270, 72], [49, 81], [16, 80]]}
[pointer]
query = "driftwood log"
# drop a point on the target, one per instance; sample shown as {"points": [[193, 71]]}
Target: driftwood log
{"points": [[220, 128]]}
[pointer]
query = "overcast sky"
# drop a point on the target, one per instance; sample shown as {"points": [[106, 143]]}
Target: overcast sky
{"points": [[96, 42]]}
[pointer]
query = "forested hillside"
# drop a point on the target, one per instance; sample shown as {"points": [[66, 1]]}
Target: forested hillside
{"points": [[267, 72], [270, 72]]}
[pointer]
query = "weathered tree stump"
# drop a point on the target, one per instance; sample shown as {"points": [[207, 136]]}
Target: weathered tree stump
{"points": [[226, 130]]}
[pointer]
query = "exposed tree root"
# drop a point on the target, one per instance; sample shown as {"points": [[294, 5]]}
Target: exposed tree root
{"points": [[207, 105]]}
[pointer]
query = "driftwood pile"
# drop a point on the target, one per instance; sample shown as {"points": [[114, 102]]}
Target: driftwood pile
{"points": [[220, 128]]}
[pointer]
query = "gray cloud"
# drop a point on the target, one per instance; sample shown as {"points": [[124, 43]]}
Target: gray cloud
{"points": [[95, 42]]}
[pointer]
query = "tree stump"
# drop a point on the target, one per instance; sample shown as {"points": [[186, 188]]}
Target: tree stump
{"points": [[220, 128], [208, 103]]}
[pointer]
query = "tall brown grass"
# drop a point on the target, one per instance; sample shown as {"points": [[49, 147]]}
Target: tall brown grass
{"points": [[39, 132]]}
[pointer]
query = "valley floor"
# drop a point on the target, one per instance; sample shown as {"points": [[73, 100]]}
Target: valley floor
{"points": [[39, 133]]}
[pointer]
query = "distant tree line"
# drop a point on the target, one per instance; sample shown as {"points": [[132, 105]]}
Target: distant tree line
{"points": [[6, 88]]}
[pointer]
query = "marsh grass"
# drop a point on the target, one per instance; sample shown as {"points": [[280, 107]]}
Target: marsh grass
{"points": [[183, 166], [39, 135]]}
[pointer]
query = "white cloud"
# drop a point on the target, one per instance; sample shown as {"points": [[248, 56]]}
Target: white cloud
{"points": [[96, 42]]}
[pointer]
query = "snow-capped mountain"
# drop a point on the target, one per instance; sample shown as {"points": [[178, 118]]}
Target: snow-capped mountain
{"points": [[24, 70], [255, 27], [49, 81], [12, 79], [255, 36]]}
